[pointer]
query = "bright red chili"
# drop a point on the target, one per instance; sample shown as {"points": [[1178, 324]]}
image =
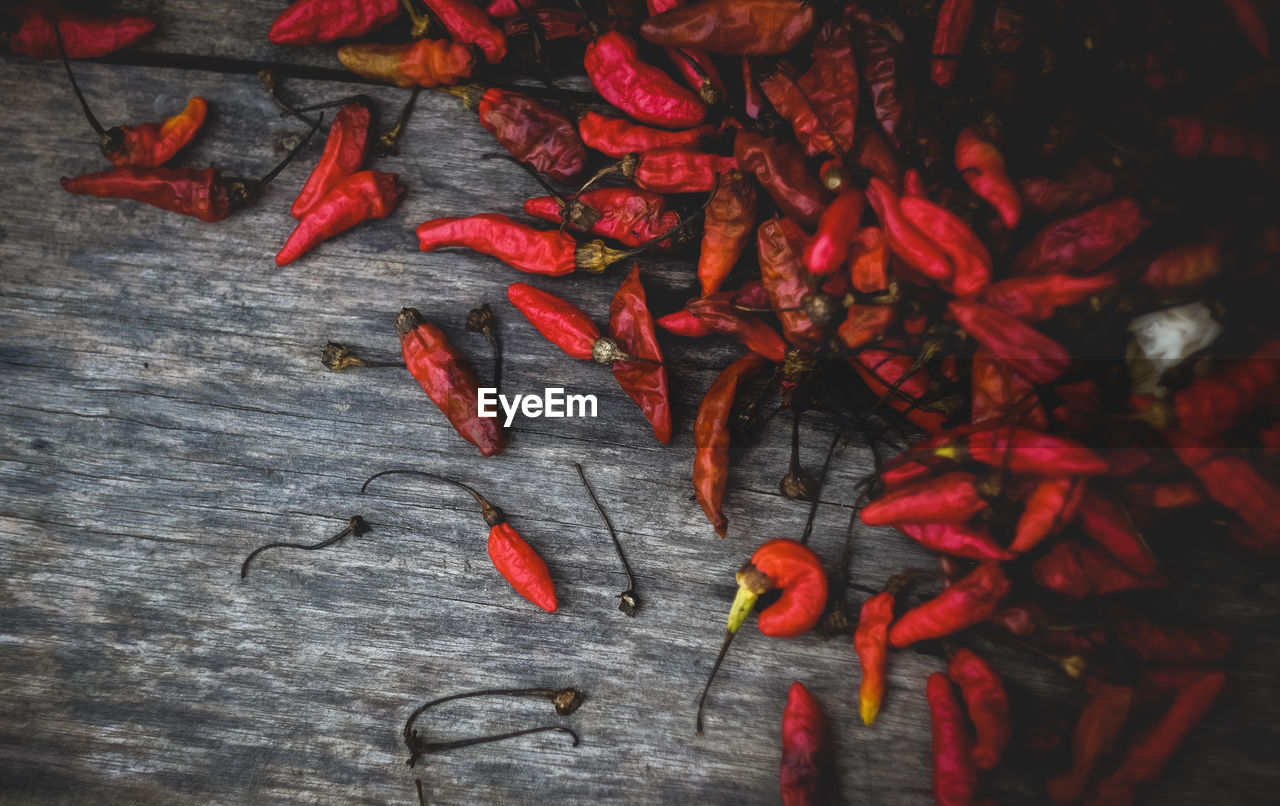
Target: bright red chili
{"points": [[950, 498], [678, 170], [683, 323], [955, 779], [965, 603], [548, 252], [619, 137], [905, 239], [954, 19], [717, 313], [641, 90], [803, 736], [467, 23], [1083, 242], [644, 381], [1049, 508], [84, 36], [726, 230], [988, 705], [956, 540], [425, 63], [631, 216], [314, 22], [794, 569], [711, 437], [150, 145], [562, 323], [781, 170], [360, 197], [1037, 298], [828, 250], [982, 167], [738, 27], [1017, 449], [344, 153], [1036, 356]]}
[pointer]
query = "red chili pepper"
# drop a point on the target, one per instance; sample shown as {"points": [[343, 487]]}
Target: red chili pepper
{"points": [[1248, 18], [1049, 508], [314, 22], [84, 36], [198, 192], [1196, 137], [677, 170], [968, 256], [550, 23], [803, 735], [1234, 483], [831, 84], [753, 101], [448, 380], [1083, 185], [1029, 352], [905, 239], [358, 198], [562, 323], [1164, 495], [726, 230], [987, 703], [781, 243], [425, 63], [618, 137], [1019, 450], [878, 41], [1183, 267], [509, 8], [781, 170], [950, 498], [956, 540], [869, 260], [954, 19], [1160, 643], [344, 152], [871, 643], [1079, 570], [737, 27], [717, 313], [913, 184], [468, 23], [528, 129], [150, 145], [1000, 393], [644, 381], [683, 323], [711, 437], [982, 167], [1109, 527], [955, 779], [641, 90], [882, 370], [865, 323], [1037, 298], [970, 601], [829, 248], [700, 74], [1214, 403], [1084, 242], [549, 252], [873, 154], [628, 215], [785, 95], [1095, 734]]}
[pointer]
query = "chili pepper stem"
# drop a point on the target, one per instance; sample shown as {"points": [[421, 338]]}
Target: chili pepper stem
{"points": [[724, 649], [108, 141], [630, 602], [339, 358], [242, 191], [481, 320], [565, 700], [795, 485], [625, 166], [420, 23], [389, 141], [492, 514], [355, 526], [268, 78]]}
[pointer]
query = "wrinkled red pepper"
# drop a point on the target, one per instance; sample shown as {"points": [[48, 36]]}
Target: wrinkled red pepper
{"points": [[726, 230], [982, 167], [360, 197], [781, 170], [965, 603], [736, 27], [641, 90], [618, 137], [1079, 570], [628, 215], [781, 244], [987, 703], [803, 736], [1029, 352], [645, 382], [711, 437], [314, 22], [1083, 242], [955, 779], [344, 153], [84, 36]]}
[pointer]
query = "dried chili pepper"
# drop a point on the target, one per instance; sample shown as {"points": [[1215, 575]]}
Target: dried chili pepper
{"points": [[1079, 570], [873, 154], [954, 19], [753, 100], [344, 152], [565, 700], [831, 84], [829, 247], [1108, 526], [360, 197], [1215, 403], [1083, 185], [83, 36], [1000, 393], [1050, 507], [956, 540], [737, 27], [1095, 734], [1234, 483], [631, 216], [868, 260], [955, 779], [549, 23], [969, 601], [780, 168], [988, 705], [514, 558], [950, 498], [1162, 643], [1248, 18], [448, 380], [1031, 353], [1017, 449], [1196, 137], [641, 90], [618, 137], [1037, 298], [425, 63], [726, 230], [563, 324], [878, 41], [467, 23], [803, 738], [966, 253], [1083, 242], [532, 132], [548, 252], [865, 323], [672, 170], [711, 437], [356, 526], [982, 167], [683, 323], [644, 380], [716, 312], [790, 567], [781, 246], [700, 74], [886, 374], [905, 239], [871, 643], [1183, 268], [792, 102], [314, 22]]}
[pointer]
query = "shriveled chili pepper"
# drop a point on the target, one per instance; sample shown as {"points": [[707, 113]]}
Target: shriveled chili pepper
{"points": [[780, 169], [792, 102], [955, 778], [878, 40], [885, 373], [528, 129], [781, 244], [726, 230], [906, 240], [1018, 449], [618, 137], [514, 558], [467, 23], [829, 247], [982, 167], [717, 313], [360, 197], [753, 100], [683, 323], [1108, 526], [344, 153], [84, 36], [425, 63], [641, 90], [1083, 185], [700, 74], [1079, 570], [1037, 298], [1215, 403], [831, 84], [1034, 355], [447, 378], [1095, 734], [1049, 508], [957, 540], [969, 601], [864, 323], [954, 19], [677, 170], [803, 747], [631, 216], [1233, 482], [1184, 267], [967, 254], [711, 437], [314, 22], [737, 27], [1162, 643], [645, 380], [871, 643], [548, 252], [950, 498], [786, 565], [1083, 242], [1196, 137], [549, 23], [873, 154], [987, 703]]}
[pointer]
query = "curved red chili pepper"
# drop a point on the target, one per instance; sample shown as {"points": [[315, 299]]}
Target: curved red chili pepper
{"points": [[831, 84], [562, 323], [753, 101], [803, 736], [829, 247], [881, 373], [683, 323], [871, 643], [700, 74], [955, 779], [878, 41], [794, 569], [968, 256], [1079, 570], [1109, 527], [905, 239], [631, 216], [425, 63], [618, 137], [1083, 242], [641, 90], [467, 23], [781, 246], [1032, 354], [1019, 450], [645, 382], [548, 252], [314, 22], [711, 437], [792, 102], [1095, 734], [150, 145], [988, 705], [726, 230], [1037, 298], [957, 540], [982, 167], [509, 8], [1165, 495], [950, 498], [447, 378], [1049, 508], [84, 36], [781, 170], [345, 151], [954, 19], [360, 197], [736, 27], [965, 603]]}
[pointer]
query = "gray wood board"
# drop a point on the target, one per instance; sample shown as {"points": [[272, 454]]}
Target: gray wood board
{"points": [[165, 412]]}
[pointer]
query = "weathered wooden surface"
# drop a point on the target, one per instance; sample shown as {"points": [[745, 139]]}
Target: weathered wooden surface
{"points": [[165, 412]]}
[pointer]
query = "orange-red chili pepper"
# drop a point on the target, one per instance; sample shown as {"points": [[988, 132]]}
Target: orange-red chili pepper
{"points": [[711, 437], [1049, 508], [950, 498], [641, 90], [84, 36], [618, 137], [1233, 482], [1018, 449], [753, 100], [358, 198], [563, 324], [957, 540], [345, 151], [878, 40], [198, 192], [467, 23], [1037, 298], [1109, 527], [955, 779], [868, 260], [792, 103], [1083, 242], [737, 27], [803, 737], [1183, 267], [905, 239], [865, 323], [871, 643], [717, 313], [969, 601], [954, 19], [883, 371], [873, 154], [831, 84], [726, 230], [1079, 570], [1000, 393], [314, 22], [781, 170], [631, 216], [967, 254], [548, 252], [1095, 734], [150, 145], [425, 63], [982, 167], [1036, 356], [781, 244], [829, 247], [644, 381], [1164, 495], [988, 705]]}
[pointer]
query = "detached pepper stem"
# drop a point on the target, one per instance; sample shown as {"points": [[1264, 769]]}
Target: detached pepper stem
{"points": [[389, 141], [724, 649], [356, 526], [492, 514], [481, 320], [630, 602], [566, 701], [421, 23], [339, 358], [105, 139]]}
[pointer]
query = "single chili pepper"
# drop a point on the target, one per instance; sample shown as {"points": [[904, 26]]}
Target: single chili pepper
{"points": [[829, 247], [781, 169], [356, 526], [1079, 570], [831, 84], [345, 151], [1196, 137], [913, 184], [700, 74], [532, 132], [1037, 298], [878, 41], [726, 230], [792, 102], [1213, 404], [565, 700], [565, 325], [425, 63], [1000, 393], [448, 380], [988, 705], [549, 24], [950, 498], [1160, 643], [1083, 185], [631, 216], [1163, 495], [969, 601], [736, 27], [1017, 449], [868, 260], [467, 23], [1095, 734], [1183, 267], [514, 558], [549, 252], [1108, 526], [641, 90], [678, 170], [1234, 483], [84, 36], [781, 245], [1023, 619], [956, 540], [803, 738], [1148, 752], [871, 643], [905, 239], [1083, 242], [966, 253], [683, 323], [954, 19], [711, 437], [618, 137], [1029, 352], [314, 22], [717, 313], [644, 378], [753, 101], [1049, 508], [359, 197], [982, 167], [1248, 18], [955, 779], [790, 567]]}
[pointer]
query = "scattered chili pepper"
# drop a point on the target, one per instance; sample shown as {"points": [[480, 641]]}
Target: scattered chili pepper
{"points": [[425, 63], [631, 216], [982, 167], [358, 198], [448, 380], [1034, 355], [957, 540], [781, 246], [641, 90], [467, 23], [737, 27], [954, 19], [684, 323], [780, 169], [1049, 508], [84, 36], [514, 558], [356, 526], [344, 153], [565, 325], [532, 132], [711, 437], [829, 247], [314, 22], [1095, 734], [1000, 393], [672, 170], [644, 377], [565, 700], [955, 779], [1083, 242], [969, 601], [1183, 268], [717, 313], [629, 603], [618, 137], [548, 252], [803, 739], [988, 705], [726, 230], [1079, 570], [950, 498]]}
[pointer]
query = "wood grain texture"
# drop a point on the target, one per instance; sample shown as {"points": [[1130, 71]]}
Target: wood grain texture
{"points": [[165, 412]]}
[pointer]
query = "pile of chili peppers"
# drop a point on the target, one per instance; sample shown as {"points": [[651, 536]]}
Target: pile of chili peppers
{"points": [[931, 218]]}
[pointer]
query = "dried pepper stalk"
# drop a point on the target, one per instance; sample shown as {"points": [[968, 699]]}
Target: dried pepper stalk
{"points": [[737, 27], [726, 230], [955, 779], [425, 63], [803, 738], [360, 197], [965, 603], [711, 437], [618, 137], [988, 705], [644, 380], [314, 22], [641, 90], [565, 700]]}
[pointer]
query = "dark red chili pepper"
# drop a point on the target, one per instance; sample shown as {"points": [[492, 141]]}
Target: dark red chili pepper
{"points": [[967, 254], [864, 323], [955, 779], [711, 437], [548, 252], [551, 24], [913, 184], [314, 22], [988, 705], [878, 41], [957, 540], [198, 192], [448, 380], [1109, 527], [873, 154], [970, 601], [950, 498], [344, 152], [425, 63], [641, 90], [831, 84], [1183, 267], [726, 230], [717, 313], [1000, 393], [631, 216], [792, 103], [954, 19], [1083, 185], [509, 8], [781, 170], [467, 23], [738, 27], [1017, 449], [1083, 242], [1195, 137], [982, 167], [1049, 508], [1095, 734], [1037, 298], [803, 736], [837, 227], [905, 239], [1161, 643], [528, 129], [618, 137], [1032, 354], [84, 36], [781, 244], [645, 381], [1215, 403], [358, 198], [700, 74], [1079, 570], [883, 373], [1233, 482]]}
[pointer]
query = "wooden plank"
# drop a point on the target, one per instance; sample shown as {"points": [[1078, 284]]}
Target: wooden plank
{"points": [[165, 413]]}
